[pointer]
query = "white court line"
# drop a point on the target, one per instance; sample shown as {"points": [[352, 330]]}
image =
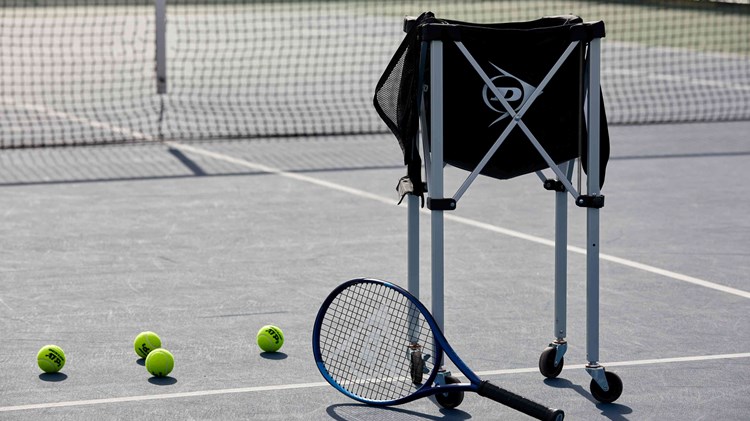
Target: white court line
{"points": [[160, 396], [462, 220], [276, 171], [201, 393], [602, 256], [677, 79], [622, 363], [81, 120], [370, 196]]}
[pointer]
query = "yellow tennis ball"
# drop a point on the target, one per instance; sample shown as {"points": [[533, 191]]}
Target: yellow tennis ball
{"points": [[146, 342], [270, 338], [159, 362], [50, 358]]}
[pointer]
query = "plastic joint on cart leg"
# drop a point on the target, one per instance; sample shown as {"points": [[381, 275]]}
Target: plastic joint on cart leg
{"points": [[441, 204], [585, 201]]}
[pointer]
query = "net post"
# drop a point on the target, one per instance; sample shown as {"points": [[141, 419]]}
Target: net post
{"points": [[161, 46]]}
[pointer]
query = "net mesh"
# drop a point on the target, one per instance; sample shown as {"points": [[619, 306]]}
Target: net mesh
{"points": [[76, 72]]}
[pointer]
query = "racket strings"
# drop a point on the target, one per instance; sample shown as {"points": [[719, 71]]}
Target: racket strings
{"points": [[366, 339]]}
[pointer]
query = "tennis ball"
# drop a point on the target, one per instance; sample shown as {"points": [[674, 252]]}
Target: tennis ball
{"points": [[50, 358], [159, 362], [270, 338], [145, 342]]}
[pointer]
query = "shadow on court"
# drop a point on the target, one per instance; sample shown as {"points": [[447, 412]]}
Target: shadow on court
{"points": [[612, 411], [358, 411], [163, 381], [53, 377], [274, 355]]}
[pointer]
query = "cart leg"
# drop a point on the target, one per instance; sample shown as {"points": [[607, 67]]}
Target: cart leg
{"points": [[605, 386], [551, 361]]}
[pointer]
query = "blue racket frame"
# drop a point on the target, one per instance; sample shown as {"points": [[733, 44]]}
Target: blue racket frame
{"points": [[441, 347]]}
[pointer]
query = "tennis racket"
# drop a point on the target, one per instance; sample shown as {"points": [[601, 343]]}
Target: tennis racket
{"points": [[372, 339]]}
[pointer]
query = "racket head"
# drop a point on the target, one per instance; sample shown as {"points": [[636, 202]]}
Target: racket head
{"points": [[363, 339]]}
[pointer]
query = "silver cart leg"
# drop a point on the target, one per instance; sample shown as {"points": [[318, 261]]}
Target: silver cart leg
{"points": [[416, 358], [413, 244], [605, 386], [551, 361], [435, 189], [561, 264], [592, 215]]}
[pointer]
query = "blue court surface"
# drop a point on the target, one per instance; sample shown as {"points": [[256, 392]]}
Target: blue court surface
{"points": [[205, 242]]}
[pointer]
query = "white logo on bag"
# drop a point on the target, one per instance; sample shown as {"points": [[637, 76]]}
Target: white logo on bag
{"points": [[513, 90]]}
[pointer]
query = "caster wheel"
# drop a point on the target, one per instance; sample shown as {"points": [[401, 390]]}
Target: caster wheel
{"points": [[450, 400], [417, 367], [614, 392], [547, 363]]}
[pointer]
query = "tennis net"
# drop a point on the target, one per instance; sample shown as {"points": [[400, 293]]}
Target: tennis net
{"points": [[81, 72]]}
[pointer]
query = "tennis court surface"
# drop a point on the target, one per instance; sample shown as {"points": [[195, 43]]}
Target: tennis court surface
{"points": [[226, 214], [101, 243]]}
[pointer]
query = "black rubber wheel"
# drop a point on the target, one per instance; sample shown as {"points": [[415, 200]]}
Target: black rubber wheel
{"points": [[547, 363], [417, 367], [614, 392], [450, 400]]}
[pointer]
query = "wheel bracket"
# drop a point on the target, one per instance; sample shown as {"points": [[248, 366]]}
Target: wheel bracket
{"points": [[440, 379], [560, 349], [597, 373]]}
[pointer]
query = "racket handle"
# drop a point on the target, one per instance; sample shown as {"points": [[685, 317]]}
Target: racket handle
{"points": [[519, 403]]}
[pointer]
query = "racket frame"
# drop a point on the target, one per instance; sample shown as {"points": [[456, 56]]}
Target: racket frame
{"points": [[441, 347]]}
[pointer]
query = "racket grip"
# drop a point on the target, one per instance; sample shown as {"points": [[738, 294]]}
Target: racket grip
{"points": [[519, 403]]}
